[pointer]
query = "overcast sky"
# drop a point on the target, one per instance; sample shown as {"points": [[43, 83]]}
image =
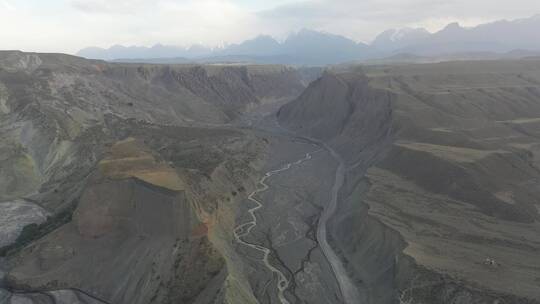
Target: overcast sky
{"points": [[69, 25]]}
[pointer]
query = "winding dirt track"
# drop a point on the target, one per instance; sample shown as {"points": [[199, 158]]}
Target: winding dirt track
{"points": [[349, 292], [245, 229]]}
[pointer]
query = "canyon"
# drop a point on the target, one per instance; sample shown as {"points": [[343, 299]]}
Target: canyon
{"points": [[146, 183]]}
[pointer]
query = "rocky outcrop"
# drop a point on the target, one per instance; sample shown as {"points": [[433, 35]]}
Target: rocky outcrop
{"points": [[15, 216]]}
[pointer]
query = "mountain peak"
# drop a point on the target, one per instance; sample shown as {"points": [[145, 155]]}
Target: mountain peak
{"points": [[307, 46], [407, 32], [399, 38], [266, 38], [452, 27], [313, 35]]}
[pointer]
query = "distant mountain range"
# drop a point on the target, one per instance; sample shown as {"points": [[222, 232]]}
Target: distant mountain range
{"points": [[308, 47], [500, 36], [157, 51]]}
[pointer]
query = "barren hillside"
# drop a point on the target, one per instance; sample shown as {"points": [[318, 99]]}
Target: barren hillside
{"points": [[442, 177], [140, 183]]}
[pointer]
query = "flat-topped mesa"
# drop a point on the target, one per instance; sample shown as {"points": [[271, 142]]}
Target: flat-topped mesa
{"points": [[131, 158]]}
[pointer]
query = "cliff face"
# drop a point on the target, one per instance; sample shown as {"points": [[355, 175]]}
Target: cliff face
{"points": [[342, 110], [442, 169]]}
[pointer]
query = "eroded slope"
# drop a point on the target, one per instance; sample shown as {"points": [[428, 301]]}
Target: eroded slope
{"points": [[449, 154]]}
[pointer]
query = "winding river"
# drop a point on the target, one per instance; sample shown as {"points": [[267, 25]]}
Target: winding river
{"points": [[244, 229]]}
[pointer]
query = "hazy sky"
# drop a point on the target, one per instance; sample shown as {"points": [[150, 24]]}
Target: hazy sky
{"points": [[68, 25]]}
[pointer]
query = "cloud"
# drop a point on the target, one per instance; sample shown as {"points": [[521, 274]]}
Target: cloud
{"points": [[69, 25], [362, 20], [110, 6], [7, 5], [365, 10], [170, 22]]}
